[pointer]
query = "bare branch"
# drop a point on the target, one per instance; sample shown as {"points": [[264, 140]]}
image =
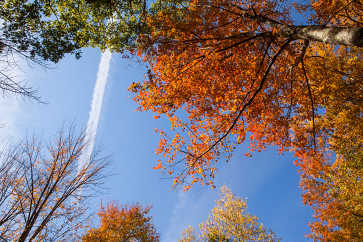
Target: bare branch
{"points": [[40, 202]]}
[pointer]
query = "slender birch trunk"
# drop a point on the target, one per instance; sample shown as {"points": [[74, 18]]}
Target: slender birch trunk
{"points": [[349, 36]]}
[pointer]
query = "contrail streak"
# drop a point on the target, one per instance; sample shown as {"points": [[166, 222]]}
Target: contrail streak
{"points": [[96, 106]]}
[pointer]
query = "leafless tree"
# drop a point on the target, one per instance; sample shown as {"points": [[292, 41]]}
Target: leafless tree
{"points": [[9, 81], [43, 189]]}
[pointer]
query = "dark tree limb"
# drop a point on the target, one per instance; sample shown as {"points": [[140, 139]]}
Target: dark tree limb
{"points": [[250, 101]]}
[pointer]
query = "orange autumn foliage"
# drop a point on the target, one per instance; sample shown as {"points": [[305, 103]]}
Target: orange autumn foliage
{"points": [[335, 191], [224, 71], [124, 223]]}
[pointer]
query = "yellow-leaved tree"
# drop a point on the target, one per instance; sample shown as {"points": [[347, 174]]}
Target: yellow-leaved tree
{"points": [[229, 221]]}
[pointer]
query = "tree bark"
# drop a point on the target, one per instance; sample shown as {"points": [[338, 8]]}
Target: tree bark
{"points": [[348, 36], [336, 35]]}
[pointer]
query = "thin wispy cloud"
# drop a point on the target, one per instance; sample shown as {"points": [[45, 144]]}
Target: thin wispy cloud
{"points": [[96, 105], [176, 221]]}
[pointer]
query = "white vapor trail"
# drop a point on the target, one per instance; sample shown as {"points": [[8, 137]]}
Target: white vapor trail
{"points": [[96, 106]]}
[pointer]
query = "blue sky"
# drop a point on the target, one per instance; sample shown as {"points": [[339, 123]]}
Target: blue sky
{"points": [[269, 181]]}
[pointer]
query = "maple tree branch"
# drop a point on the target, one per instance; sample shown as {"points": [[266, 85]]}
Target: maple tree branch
{"points": [[249, 101], [225, 24], [196, 61], [259, 17], [225, 57], [200, 58], [339, 10], [306, 44], [243, 41], [350, 18], [264, 56], [224, 9], [263, 19], [291, 68], [198, 39], [357, 215]]}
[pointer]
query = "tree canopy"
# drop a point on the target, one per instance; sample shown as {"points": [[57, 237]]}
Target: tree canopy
{"points": [[124, 223], [226, 72], [229, 221], [44, 31], [229, 72]]}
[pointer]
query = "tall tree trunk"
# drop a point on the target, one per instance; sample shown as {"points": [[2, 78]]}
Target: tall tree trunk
{"points": [[349, 36], [336, 35]]}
